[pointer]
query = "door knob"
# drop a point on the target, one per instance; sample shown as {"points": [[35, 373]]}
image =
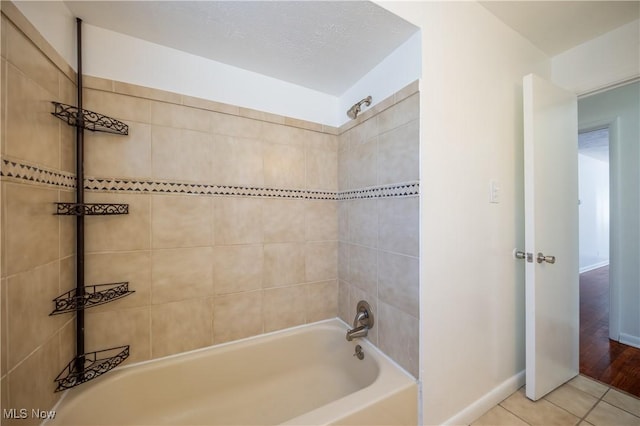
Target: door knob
{"points": [[522, 255], [542, 258]]}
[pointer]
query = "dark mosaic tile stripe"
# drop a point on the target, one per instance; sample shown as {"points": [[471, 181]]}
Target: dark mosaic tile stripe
{"points": [[19, 171]]}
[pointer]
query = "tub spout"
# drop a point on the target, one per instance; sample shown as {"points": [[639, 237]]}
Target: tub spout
{"points": [[362, 322], [357, 332]]}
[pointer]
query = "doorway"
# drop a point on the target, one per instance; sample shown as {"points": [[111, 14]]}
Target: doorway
{"points": [[610, 156]]}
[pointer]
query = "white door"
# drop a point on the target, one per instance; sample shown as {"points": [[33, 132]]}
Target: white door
{"points": [[551, 235]]}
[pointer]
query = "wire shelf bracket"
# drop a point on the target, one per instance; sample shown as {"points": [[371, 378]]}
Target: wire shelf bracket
{"points": [[91, 209], [93, 295], [89, 120], [90, 365]]}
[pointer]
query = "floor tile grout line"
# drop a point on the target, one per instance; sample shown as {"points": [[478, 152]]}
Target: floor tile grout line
{"points": [[583, 419]]}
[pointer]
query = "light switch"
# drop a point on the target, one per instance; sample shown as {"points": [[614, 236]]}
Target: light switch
{"points": [[494, 192]]}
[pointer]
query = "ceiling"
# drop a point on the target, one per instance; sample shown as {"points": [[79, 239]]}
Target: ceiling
{"points": [[322, 45], [328, 45], [556, 26], [595, 144]]}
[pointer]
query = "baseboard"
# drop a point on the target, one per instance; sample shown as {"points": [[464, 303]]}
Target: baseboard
{"points": [[488, 401], [630, 340], [594, 266]]}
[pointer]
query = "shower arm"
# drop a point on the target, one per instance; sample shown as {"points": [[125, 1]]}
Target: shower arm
{"points": [[355, 109]]}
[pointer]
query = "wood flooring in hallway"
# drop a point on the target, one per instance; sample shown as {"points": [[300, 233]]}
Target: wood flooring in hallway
{"points": [[610, 362]]}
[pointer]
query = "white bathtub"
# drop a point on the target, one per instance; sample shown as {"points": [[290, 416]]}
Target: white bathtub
{"points": [[301, 376]]}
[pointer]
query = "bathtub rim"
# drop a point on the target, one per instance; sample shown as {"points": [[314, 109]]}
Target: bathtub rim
{"points": [[335, 321]]}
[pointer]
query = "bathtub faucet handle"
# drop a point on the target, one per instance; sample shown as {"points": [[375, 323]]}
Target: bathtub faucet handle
{"points": [[362, 322]]}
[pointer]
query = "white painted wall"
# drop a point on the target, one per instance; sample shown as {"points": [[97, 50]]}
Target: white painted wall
{"points": [[620, 108], [609, 59], [116, 56], [472, 290], [397, 70], [593, 176]]}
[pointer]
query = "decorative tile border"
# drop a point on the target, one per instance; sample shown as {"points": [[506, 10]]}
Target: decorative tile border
{"points": [[406, 189], [36, 174], [14, 170]]}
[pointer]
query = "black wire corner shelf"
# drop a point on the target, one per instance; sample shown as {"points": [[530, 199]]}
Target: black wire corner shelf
{"points": [[89, 366], [89, 120], [91, 209], [93, 295]]}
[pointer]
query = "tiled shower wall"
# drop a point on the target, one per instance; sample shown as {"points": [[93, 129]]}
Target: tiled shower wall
{"points": [[37, 247], [233, 225], [232, 229], [378, 249]]}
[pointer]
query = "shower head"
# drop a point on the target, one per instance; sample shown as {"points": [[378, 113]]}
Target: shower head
{"points": [[355, 109]]}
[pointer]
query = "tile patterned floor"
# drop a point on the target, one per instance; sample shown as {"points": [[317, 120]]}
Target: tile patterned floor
{"points": [[581, 401]]}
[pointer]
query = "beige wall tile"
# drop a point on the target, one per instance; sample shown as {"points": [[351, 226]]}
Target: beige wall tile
{"points": [[29, 59], [109, 155], [4, 322], [398, 221], [181, 326], [144, 92], [67, 338], [363, 268], [398, 154], [32, 133], [31, 384], [181, 221], [398, 282], [91, 82], [322, 169], [118, 328], [322, 300], [280, 134], [237, 268], [179, 116], [284, 166], [401, 113], [343, 165], [210, 105], [321, 220], [67, 225], [343, 220], [343, 261], [119, 232], [30, 227], [362, 163], [236, 316], [237, 127], [68, 95], [398, 334], [182, 155], [344, 307], [237, 161], [237, 221], [321, 261], [121, 107], [179, 274], [32, 292], [132, 267], [3, 103], [284, 264], [283, 220], [284, 307], [363, 222]]}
